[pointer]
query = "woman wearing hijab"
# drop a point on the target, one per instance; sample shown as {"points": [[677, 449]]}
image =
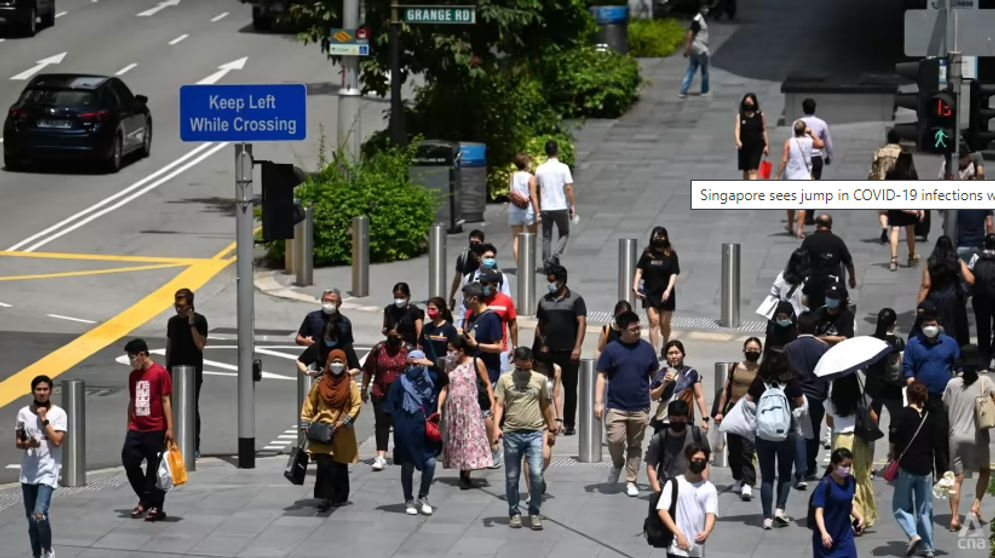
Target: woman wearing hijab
{"points": [[782, 329], [335, 400], [413, 398]]}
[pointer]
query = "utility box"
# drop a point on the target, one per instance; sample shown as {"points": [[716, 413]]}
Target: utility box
{"points": [[473, 181], [613, 27], [436, 167]]}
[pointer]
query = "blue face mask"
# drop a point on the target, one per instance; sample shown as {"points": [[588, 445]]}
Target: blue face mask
{"points": [[553, 287], [490, 262], [414, 372], [329, 343], [832, 303], [784, 323], [488, 291]]}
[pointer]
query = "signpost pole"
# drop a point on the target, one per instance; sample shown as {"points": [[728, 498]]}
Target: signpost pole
{"points": [[954, 83], [397, 134], [245, 319], [348, 119]]}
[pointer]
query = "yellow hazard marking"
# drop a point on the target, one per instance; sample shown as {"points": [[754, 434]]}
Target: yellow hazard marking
{"points": [[198, 273], [89, 272], [98, 257]]}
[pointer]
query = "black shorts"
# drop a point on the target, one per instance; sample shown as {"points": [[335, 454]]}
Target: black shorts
{"points": [[653, 301]]}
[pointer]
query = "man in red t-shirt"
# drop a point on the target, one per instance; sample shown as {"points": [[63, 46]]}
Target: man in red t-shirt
{"points": [[502, 305], [150, 427]]}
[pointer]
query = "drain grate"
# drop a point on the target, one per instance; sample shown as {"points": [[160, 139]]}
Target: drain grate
{"points": [[95, 481], [686, 322]]}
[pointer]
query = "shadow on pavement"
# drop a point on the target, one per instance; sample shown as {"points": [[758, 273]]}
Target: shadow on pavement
{"points": [[752, 520]]}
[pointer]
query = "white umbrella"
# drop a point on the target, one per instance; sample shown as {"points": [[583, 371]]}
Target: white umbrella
{"points": [[849, 355]]}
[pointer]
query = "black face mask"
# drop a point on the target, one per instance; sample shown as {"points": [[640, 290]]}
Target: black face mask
{"points": [[393, 341], [46, 404], [752, 356], [697, 466], [678, 427], [659, 242]]}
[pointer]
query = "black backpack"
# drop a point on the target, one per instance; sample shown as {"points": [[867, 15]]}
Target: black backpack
{"points": [[984, 273], [656, 533]]}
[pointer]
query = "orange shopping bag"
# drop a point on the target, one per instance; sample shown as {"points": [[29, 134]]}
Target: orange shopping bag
{"points": [[765, 169], [176, 466]]}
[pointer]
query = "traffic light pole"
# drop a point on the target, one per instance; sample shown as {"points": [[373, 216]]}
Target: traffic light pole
{"points": [[348, 131], [245, 316], [397, 134]]}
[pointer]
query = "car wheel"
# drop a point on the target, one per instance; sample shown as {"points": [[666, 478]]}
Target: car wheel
{"points": [[48, 20], [113, 162], [29, 26], [12, 163], [147, 139]]}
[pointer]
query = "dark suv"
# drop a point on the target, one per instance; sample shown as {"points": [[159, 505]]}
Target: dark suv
{"points": [[22, 15]]}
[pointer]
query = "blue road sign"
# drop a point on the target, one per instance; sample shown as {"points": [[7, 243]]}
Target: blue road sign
{"points": [[243, 113]]}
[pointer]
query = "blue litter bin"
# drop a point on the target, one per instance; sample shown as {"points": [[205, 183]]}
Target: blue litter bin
{"points": [[613, 27], [473, 174]]}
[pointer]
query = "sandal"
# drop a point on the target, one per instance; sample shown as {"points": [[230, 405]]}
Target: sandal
{"points": [[977, 516], [953, 527], [155, 514], [913, 259], [893, 266], [137, 512]]}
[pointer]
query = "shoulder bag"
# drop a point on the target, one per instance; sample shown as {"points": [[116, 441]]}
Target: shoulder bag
{"points": [[984, 408], [320, 432], [891, 470]]}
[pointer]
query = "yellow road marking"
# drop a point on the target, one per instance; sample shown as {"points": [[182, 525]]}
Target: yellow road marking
{"points": [[98, 257], [86, 345], [88, 272]]}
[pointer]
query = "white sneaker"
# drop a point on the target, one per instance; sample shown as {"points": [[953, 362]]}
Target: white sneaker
{"points": [[768, 524], [631, 490], [782, 519], [410, 508], [379, 463], [746, 494], [49, 554], [426, 508], [613, 475]]}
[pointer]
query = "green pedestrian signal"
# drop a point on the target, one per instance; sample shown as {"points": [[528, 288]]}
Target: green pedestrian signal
{"points": [[940, 138]]}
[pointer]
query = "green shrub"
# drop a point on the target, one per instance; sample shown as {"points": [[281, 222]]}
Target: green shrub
{"points": [[400, 212], [499, 176], [655, 38], [588, 82]]}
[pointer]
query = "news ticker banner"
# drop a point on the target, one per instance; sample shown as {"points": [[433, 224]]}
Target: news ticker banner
{"points": [[842, 194]]}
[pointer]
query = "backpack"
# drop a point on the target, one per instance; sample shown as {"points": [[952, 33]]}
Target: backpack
{"points": [[984, 273], [773, 414], [823, 483], [656, 533], [661, 466]]}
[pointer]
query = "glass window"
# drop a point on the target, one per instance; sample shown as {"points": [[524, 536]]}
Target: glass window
{"points": [[59, 97]]}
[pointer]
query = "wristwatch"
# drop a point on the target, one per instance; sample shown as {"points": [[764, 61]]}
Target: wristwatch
{"points": [[706, 419], [45, 422]]}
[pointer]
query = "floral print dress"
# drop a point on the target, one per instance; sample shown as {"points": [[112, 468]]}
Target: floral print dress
{"points": [[466, 444]]}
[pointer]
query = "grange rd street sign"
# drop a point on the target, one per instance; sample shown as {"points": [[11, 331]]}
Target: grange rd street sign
{"points": [[243, 113], [349, 42], [926, 33], [440, 14]]}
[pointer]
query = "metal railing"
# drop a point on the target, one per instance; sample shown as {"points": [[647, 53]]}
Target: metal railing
{"points": [[589, 427]]}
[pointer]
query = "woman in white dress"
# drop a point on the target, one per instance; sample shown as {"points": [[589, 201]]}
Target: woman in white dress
{"points": [[523, 209], [796, 164]]}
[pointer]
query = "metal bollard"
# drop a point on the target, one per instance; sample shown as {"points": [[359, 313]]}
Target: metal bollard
{"points": [[304, 383], [627, 259], [360, 256], [719, 455], [185, 413], [526, 302], [437, 261], [290, 248], [730, 286], [304, 243], [74, 445], [590, 427]]}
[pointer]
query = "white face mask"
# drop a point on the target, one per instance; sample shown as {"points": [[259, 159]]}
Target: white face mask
{"points": [[336, 368], [328, 308], [400, 302], [931, 331]]}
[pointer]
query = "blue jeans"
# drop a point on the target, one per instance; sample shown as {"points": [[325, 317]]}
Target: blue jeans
{"points": [[407, 479], [965, 253], [37, 497], [517, 444], [912, 505], [783, 453], [696, 61]]}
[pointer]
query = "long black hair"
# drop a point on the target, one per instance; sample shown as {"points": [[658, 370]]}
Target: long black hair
{"points": [[904, 168], [742, 104], [970, 356], [837, 457], [886, 319], [845, 394], [798, 268], [943, 262], [775, 368]]}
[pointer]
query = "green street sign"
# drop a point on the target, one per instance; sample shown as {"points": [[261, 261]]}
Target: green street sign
{"points": [[440, 14]]}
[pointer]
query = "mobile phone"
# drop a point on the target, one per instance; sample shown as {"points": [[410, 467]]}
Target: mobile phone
{"points": [[22, 435]]}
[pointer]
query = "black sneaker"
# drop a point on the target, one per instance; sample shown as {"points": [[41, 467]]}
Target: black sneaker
{"points": [[569, 431]]}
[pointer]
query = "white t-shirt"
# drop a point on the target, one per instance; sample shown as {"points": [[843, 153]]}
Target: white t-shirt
{"points": [[694, 502], [41, 465], [520, 183], [552, 178], [842, 425]]}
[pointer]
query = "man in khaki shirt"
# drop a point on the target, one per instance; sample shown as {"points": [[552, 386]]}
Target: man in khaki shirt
{"points": [[522, 400]]}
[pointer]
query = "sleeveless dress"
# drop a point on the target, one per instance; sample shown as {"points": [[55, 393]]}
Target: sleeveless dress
{"points": [[466, 445], [751, 133], [799, 159]]}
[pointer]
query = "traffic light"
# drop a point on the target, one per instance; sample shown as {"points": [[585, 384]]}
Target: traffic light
{"points": [[280, 213], [940, 125], [926, 74], [979, 135]]}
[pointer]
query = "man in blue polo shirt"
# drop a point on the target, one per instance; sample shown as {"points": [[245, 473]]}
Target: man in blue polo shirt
{"points": [[972, 226], [930, 357], [628, 363]]}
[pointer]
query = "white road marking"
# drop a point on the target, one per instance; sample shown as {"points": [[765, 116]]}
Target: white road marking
{"points": [[278, 354], [70, 319], [177, 40], [5, 305], [223, 71], [273, 448], [123, 359], [126, 69], [281, 442], [68, 225], [2, 40], [288, 436], [219, 17], [39, 66], [161, 6], [13, 466], [60, 14]]}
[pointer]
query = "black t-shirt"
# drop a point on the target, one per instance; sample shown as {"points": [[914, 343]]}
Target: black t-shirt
{"points": [[403, 319], [435, 339], [918, 460], [841, 324], [793, 389], [467, 263], [182, 350], [558, 317], [827, 251], [318, 354], [657, 269]]}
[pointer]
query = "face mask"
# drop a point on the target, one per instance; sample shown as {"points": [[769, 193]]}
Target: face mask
{"points": [[842, 472], [752, 356], [433, 313], [328, 308], [522, 373], [336, 368], [489, 262], [697, 466], [415, 372], [931, 331], [488, 291], [467, 304], [393, 340], [329, 343], [678, 427], [785, 323], [451, 356], [832, 303], [400, 302], [553, 287], [659, 242]]}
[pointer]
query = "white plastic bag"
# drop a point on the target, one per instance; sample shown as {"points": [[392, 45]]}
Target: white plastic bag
{"points": [[716, 440], [803, 421], [164, 477], [741, 420]]}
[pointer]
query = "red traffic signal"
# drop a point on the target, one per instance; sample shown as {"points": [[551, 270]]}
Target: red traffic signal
{"points": [[940, 109]]}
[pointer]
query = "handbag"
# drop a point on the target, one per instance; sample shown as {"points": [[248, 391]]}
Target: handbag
{"points": [[519, 201], [765, 169], [891, 471], [864, 427], [177, 469], [296, 469], [984, 411], [320, 432], [432, 430]]}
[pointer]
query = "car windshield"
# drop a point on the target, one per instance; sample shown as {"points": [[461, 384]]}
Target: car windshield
{"points": [[59, 97]]}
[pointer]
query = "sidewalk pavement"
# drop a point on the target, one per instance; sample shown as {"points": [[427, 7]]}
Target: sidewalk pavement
{"points": [[224, 511]]}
